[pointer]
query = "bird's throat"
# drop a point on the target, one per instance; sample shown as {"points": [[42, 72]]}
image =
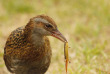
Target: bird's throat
{"points": [[37, 39]]}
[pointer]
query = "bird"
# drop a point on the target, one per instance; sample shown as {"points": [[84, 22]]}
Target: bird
{"points": [[27, 49]]}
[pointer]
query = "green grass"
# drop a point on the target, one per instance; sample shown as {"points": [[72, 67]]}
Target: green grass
{"points": [[85, 23], [17, 6]]}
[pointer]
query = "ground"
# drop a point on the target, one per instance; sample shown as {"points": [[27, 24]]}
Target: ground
{"points": [[85, 24]]}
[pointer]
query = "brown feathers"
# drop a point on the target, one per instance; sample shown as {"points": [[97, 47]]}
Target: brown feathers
{"points": [[27, 50]]}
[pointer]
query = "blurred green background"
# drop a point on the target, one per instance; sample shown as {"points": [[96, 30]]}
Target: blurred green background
{"points": [[85, 24]]}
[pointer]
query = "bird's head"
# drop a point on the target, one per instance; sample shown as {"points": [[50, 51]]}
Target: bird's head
{"points": [[45, 26]]}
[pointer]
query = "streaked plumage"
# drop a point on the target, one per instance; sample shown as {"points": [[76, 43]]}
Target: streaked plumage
{"points": [[27, 50]]}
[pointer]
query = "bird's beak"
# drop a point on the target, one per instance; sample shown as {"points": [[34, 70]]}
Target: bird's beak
{"points": [[58, 35]]}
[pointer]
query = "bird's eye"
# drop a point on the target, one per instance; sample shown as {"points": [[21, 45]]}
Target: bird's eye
{"points": [[48, 26]]}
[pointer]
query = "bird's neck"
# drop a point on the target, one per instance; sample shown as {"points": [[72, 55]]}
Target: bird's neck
{"points": [[37, 39], [33, 35]]}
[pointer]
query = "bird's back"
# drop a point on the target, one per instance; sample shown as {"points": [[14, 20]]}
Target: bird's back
{"points": [[22, 57]]}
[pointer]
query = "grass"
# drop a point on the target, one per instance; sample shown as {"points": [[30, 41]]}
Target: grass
{"points": [[85, 23], [17, 6]]}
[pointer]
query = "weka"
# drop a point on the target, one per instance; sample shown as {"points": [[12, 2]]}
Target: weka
{"points": [[27, 50]]}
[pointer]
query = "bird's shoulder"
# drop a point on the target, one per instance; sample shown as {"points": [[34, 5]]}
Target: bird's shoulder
{"points": [[15, 42], [15, 38]]}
